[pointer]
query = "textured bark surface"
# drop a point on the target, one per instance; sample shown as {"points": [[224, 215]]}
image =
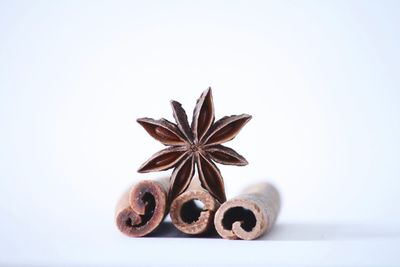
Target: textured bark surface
{"points": [[249, 215], [190, 218], [142, 207]]}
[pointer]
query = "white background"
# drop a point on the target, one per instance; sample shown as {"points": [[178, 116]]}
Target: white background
{"points": [[320, 78]]}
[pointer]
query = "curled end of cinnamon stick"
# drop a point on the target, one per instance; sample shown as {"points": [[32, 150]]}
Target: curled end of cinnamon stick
{"points": [[249, 215], [142, 208], [193, 211]]}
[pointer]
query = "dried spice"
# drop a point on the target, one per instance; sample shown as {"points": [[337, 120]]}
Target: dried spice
{"points": [[193, 211], [142, 208], [250, 214], [198, 144]]}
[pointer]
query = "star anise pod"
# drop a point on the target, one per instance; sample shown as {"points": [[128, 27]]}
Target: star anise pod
{"points": [[199, 144]]}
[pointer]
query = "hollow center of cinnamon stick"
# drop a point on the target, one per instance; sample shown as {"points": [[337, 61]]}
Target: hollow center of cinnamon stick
{"points": [[191, 210], [239, 214], [150, 204]]}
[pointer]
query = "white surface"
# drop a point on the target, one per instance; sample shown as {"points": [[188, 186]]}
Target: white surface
{"points": [[289, 244], [321, 80]]}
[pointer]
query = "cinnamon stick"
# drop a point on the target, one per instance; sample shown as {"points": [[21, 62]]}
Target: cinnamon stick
{"points": [[249, 215], [142, 207], [193, 211]]}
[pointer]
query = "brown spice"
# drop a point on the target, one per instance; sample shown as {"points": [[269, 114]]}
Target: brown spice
{"points": [[143, 207], [198, 144], [249, 215], [190, 218]]}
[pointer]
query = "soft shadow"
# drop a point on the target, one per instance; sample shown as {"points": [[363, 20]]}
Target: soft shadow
{"points": [[298, 232], [167, 229], [328, 232]]}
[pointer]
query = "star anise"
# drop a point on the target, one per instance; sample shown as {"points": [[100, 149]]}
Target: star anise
{"points": [[198, 144]]}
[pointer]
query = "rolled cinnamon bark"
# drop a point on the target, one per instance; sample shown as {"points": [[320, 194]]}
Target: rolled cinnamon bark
{"points": [[193, 211], [249, 215], [143, 207]]}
